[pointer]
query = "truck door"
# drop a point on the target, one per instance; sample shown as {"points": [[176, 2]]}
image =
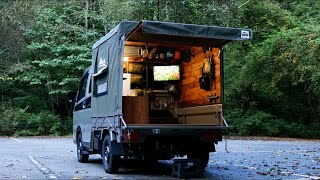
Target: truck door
{"points": [[82, 111]]}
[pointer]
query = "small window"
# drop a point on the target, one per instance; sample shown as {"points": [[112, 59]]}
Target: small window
{"points": [[90, 86], [102, 88], [82, 89]]}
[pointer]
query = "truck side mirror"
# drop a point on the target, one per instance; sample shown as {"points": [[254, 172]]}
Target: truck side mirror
{"points": [[72, 96]]}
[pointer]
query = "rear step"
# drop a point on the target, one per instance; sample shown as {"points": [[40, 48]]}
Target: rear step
{"points": [[186, 168]]}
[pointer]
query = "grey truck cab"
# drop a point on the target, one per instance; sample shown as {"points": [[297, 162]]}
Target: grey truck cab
{"points": [[154, 91]]}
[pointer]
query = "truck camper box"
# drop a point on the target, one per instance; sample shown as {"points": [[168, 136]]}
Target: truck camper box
{"points": [[129, 59]]}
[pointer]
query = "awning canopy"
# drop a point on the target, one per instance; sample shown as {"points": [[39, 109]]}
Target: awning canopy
{"points": [[186, 34]]}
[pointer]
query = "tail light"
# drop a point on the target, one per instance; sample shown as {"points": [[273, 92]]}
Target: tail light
{"points": [[132, 136], [210, 136]]}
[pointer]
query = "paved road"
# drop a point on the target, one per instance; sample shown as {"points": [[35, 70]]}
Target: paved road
{"points": [[55, 158]]}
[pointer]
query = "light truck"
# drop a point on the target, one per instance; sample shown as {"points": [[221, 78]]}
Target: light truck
{"points": [[154, 91]]}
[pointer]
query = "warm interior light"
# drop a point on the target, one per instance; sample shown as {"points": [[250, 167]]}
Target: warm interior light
{"points": [[125, 59]]}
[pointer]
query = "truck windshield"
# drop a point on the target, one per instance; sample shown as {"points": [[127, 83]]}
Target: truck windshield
{"points": [[83, 85]]}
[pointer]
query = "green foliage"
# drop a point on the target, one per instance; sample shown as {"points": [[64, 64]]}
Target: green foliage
{"points": [[58, 51], [17, 93], [58, 41], [15, 18], [257, 123], [276, 83], [283, 75], [182, 11], [265, 18], [18, 122], [271, 83], [306, 11]]}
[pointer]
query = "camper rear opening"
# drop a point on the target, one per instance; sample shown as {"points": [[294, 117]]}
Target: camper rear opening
{"points": [[167, 84]]}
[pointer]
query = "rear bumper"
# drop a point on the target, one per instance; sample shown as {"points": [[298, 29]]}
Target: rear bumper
{"points": [[178, 127], [175, 131]]}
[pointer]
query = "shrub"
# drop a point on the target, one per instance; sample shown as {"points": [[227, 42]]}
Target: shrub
{"points": [[18, 122], [6, 120], [258, 123]]}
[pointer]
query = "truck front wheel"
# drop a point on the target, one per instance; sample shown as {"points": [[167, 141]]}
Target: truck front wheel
{"points": [[110, 162], [81, 156]]}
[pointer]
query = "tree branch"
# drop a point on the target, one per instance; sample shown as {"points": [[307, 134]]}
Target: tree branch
{"points": [[244, 4]]}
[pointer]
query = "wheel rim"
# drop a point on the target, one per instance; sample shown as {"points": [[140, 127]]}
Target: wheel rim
{"points": [[107, 154], [79, 149]]}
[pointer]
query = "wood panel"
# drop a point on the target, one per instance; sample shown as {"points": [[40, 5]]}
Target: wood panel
{"points": [[200, 109], [191, 94], [204, 119], [135, 109], [204, 115]]}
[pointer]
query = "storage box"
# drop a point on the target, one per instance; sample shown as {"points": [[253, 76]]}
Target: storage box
{"points": [[132, 51]]}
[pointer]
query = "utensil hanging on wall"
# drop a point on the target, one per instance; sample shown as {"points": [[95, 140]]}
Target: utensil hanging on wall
{"points": [[207, 78]]}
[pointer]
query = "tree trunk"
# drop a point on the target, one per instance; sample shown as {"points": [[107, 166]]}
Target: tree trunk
{"points": [[86, 16]]}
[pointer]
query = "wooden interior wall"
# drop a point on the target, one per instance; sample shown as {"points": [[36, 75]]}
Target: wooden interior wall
{"points": [[191, 94], [135, 109]]}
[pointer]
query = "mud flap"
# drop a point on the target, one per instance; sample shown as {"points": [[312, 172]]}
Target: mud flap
{"points": [[116, 148]]}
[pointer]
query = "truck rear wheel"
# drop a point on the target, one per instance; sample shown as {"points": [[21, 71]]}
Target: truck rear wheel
{"points": [[202, 156], [110, 162], [81, 156]]}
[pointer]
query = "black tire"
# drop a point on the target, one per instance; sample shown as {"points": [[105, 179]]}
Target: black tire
{"points": [[81, 156], [110, 162], [202, 156], [151, 163]]}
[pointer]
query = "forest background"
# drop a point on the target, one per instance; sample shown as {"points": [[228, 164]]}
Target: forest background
{"points": [[272, 83]]}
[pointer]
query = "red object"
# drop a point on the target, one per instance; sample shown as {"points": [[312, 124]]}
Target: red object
{"points": [[177, 55], [133, 137], [210, 136]]}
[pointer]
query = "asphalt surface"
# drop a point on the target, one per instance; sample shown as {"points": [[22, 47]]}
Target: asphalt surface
{"points": [[55, 158]]}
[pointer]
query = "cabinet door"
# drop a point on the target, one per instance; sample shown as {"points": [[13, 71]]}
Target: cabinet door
{"points": [[136, 109]]}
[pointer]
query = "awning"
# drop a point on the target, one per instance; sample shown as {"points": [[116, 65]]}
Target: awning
{"points": [[186, 34]]}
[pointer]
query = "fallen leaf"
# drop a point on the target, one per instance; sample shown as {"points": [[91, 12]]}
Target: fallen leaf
{"points": [[263, 172], [10, 165]]}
